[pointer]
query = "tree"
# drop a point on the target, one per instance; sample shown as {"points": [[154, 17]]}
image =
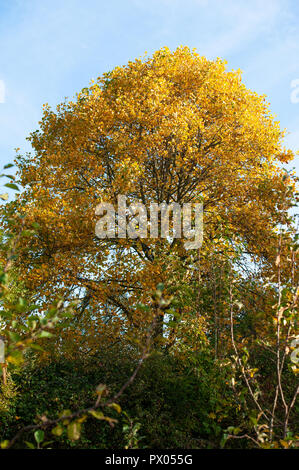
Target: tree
{"points": [[175, 128]]}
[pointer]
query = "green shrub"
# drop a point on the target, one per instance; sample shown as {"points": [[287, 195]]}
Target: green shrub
{"points": [[169, 405]]}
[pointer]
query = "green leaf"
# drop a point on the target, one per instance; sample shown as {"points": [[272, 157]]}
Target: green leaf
{"points": [[57, 431], [12, 186], [116, 407], [14, 336], [4, 444], [223, 440], [39, 436], [73, 431], [27, 233], [45, 334], [97, 414], [29, 445], [36, 347], [9, 165]]}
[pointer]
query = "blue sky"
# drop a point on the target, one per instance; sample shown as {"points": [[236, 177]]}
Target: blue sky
{"points": [[49, 50]]}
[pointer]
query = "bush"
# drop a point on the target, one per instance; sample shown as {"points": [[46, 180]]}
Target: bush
{"points": [[170, 405]]}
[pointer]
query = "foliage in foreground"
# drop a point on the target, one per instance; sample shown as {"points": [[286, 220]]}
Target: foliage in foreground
{"points": [[171, 402]]}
